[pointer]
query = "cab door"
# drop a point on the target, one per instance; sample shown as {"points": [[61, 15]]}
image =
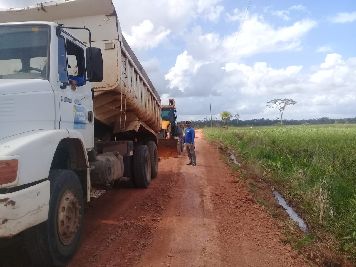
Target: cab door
{"points": [[74, 93]]}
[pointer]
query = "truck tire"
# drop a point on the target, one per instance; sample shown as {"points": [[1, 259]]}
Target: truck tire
{"points": [[142, 166], [152, 149], [54, 242]]}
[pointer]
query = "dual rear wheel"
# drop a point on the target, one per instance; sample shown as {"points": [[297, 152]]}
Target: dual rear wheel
{"points": [[145, 163]]}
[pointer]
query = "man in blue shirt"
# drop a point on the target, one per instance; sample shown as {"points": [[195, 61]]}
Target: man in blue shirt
{"points": [[189, 143]]}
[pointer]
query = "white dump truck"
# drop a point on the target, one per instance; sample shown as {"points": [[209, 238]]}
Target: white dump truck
{"points": [[76, 110]]}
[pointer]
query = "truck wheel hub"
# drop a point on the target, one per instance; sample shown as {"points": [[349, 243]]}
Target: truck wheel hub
{"points": [[68, 218]]}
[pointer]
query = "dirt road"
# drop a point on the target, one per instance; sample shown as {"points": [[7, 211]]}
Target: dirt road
{"points": [[189, 216]]}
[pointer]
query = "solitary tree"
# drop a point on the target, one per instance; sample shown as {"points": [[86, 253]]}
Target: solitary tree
{"points": [[281, 105], [225, 116], [237, 117]]}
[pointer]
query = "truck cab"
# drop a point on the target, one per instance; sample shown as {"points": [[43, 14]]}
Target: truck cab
{"points": [[46, 129], [45, 68]]}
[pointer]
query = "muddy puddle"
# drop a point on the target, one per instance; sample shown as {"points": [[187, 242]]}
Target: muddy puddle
{"points": [[233, 158], [290, 211]]}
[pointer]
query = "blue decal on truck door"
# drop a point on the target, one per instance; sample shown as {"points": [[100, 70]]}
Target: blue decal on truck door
{"points": [[80, 117]]}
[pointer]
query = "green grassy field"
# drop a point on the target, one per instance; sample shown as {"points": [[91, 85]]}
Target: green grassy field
{"points": [[313, 166]]}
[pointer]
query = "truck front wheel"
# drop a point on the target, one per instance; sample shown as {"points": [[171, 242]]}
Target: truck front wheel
{"points": [[142, 166], [54, 243]]}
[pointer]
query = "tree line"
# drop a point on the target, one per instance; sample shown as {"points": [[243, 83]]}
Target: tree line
{"points": [[229, 119], [267, 122]]}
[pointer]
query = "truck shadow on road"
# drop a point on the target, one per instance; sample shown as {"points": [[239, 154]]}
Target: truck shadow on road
{"points": [[13, 253]]}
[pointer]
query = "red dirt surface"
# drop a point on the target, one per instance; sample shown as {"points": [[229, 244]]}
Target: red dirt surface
{"points": [[189, 216]]}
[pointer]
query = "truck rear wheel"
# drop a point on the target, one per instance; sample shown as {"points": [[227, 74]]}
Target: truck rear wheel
{"points": [[54, 242], [152, 149], [142, 166]]}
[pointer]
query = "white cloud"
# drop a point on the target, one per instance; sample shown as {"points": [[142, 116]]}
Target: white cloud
{"points": [[179, 75], [335, 74], [214, 12], [145, 35], [204, 5], [204, 46], [211, 68], [210, 9], [175, 15], [298, 8], [326, 90], [283, 14], [237, 15], [261, 79], [344, 17], [192, 77], [286, 14], [255, 36], [332, 60], [324, 49]]}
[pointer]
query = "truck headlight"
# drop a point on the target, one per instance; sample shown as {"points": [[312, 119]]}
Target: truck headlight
{"points": [[8, 171]]}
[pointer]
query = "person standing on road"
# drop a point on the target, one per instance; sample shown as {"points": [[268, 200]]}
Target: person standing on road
{"points": [[180, 133], [189, 143]]}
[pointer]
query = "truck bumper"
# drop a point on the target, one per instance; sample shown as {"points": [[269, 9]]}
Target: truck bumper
{"points": [[23, 209]]}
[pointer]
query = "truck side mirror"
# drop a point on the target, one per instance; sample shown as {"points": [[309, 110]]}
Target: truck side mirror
{"points": [[94, 64]]}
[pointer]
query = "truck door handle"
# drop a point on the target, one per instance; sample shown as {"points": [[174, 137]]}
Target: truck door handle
{"points": [[90, 116]]}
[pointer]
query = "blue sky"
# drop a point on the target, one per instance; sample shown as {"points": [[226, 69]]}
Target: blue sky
{"points": [[238, 58], [304, 50]]}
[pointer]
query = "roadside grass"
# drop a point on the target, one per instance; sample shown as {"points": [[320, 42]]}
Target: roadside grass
{"points": [[313, 166]]}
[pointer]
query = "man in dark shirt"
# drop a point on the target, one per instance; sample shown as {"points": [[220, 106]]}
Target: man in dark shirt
{"points": [[189, 143]]}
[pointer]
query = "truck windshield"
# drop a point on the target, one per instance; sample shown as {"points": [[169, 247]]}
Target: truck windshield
{"points": [[24, 51]]}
